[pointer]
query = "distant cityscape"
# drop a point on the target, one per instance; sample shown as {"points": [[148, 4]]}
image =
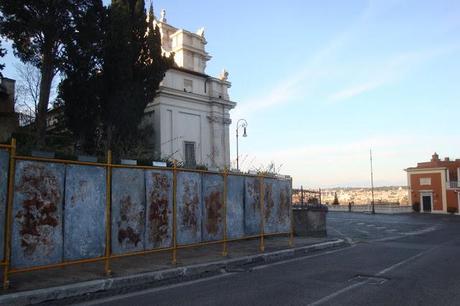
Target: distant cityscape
{"points": [[359, 195]]}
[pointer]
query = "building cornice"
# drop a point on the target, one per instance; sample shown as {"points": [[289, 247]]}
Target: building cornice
{"points": [[192, 72], [426, 170], [187, 96]]}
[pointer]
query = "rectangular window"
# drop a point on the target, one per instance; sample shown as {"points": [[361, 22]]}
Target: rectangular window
{"points": [[425, 181], [188, 85], [189, 149]]}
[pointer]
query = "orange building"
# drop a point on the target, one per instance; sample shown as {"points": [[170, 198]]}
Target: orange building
{"points": [[434, 186]]}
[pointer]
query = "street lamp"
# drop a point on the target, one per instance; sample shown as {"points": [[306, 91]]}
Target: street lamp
{"points": [[242, 123]]}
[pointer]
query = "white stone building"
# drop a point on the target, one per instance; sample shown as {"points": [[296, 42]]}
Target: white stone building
{"points": [[190, 114]]}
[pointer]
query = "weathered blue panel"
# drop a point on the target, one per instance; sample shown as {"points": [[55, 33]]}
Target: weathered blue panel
{"points": [[213, 210], [128, 210], [4, 165], [284, 211], [235, 206], [37, 214], [188, 207], [159, 199], [252, 206], [271, 205], [84, 212]]}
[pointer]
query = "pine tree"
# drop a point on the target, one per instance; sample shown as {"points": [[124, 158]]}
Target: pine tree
{"points": [[133, 68], [80, 91], [336, 199], [113, 68], [2, 54]]}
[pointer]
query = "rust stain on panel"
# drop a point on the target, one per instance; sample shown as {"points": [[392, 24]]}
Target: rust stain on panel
{"points": [[158, 209], [128, 215], [268, 197], [39, 209], [213, 212], [254, 193], [284, 209], [191, 202]]}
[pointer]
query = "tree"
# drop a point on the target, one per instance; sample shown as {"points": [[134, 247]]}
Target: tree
{"points": [[113, 65], [80, 91], [336, 199], [2, 54], [132, 70], [28, 92], [37, 29]]}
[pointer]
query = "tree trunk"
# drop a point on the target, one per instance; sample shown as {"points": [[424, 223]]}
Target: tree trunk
{"points": [[43, 100], [108, 143]]}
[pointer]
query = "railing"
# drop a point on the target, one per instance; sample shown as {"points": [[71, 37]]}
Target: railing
{"points": [[453, 184], [260, 196], [379, 208]]}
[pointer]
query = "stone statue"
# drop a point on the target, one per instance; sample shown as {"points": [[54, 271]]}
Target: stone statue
{"points": [[163, 16], [200, 32], [224, 75]]}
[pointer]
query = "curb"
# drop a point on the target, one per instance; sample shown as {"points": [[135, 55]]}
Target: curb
{"points": [[197, 270]]}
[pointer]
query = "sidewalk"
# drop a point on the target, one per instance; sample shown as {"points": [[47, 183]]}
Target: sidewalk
{"points": [[153, 269]]}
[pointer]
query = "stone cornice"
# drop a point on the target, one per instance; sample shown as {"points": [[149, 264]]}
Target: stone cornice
{"points": [[186, 96], [219, 119]]}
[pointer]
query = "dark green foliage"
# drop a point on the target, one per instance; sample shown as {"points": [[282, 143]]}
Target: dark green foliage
{"points": [[2, 54], [113, 70], [336, 199], [133, 68], [37, 29], [80, 91]]}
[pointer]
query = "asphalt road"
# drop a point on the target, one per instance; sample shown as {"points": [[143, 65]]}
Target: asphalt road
{"points": [[393, 260]]}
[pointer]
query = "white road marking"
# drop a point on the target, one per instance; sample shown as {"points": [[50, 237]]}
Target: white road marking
{"points": [[299, 258], [380, 273], [152, 290], [225, 274]]}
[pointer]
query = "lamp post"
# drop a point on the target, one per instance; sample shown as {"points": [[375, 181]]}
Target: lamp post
{"points": [[241, 123], [372, 183]]}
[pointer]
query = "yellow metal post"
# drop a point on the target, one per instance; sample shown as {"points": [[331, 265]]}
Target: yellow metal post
{"points": [[262, 217], [174, 233], [9, 210], [291, 235], [224, 203], [108, 214]]}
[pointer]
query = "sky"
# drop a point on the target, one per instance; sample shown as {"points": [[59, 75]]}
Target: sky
{"points": [[320, 83]]}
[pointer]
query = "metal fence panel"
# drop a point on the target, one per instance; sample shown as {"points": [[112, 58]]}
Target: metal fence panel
{"points": [[235, 206], [188, 207], [252, 206], [159, 199], [271, 205], [284, 210], [4, 165], [128, 210], [84, 212], [213, 210], [37, 214]]}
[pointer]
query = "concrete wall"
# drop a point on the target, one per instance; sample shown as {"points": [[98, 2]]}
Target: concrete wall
{"points": [[59, 211]]}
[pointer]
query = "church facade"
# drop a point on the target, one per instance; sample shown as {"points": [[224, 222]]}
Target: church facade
{"points": [[190, 113]]}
